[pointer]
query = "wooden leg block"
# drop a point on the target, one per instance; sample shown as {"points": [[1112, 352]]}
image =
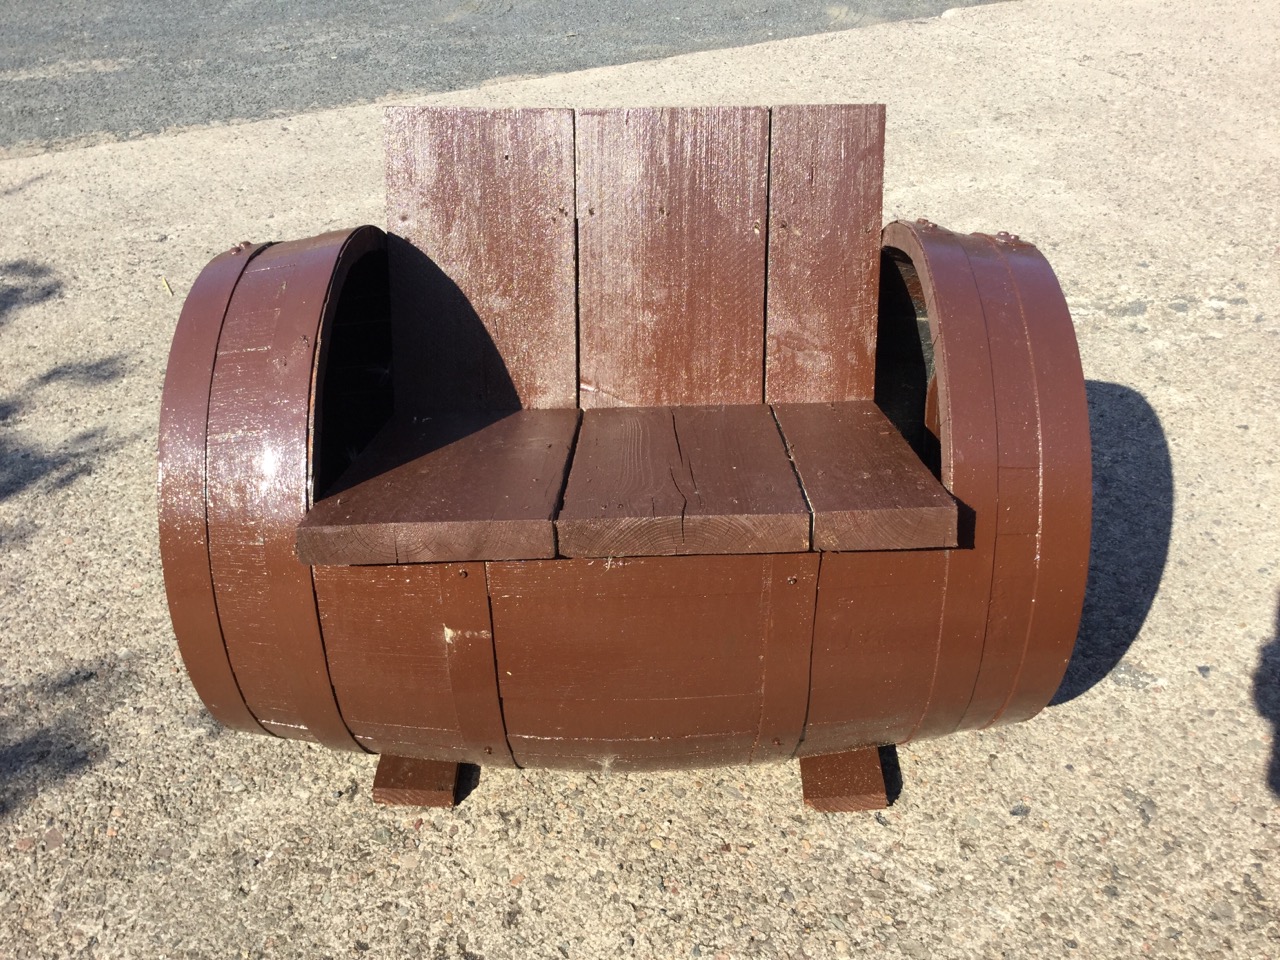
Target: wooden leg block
{"points": [[408, 782], [844, 782]]}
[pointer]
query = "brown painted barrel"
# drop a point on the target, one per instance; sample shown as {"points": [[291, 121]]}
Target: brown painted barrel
{"points": [[281, 373]]}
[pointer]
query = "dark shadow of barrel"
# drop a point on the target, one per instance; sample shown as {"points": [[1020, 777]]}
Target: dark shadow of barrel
{"points": [[1132, 520], [1266, 696], [892, 770], [405, 338], [468, 780]]}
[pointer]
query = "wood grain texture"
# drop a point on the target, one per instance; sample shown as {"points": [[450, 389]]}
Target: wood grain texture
{"points": [[411, 782], [411, 656], [1065, 479], [826, 165], [448, 488], [672, 208], [868, 490], [654, 662], [875, 632], [665, 481], [934, 260], [258, 476], [844, 782], [184, 535], [481, 203]]}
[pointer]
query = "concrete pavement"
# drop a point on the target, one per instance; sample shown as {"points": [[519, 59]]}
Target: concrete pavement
{"points": [[79, 71], [1135, 142]]}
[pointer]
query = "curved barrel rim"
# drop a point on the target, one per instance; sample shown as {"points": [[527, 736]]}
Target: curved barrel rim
{"points": [[967, 438], [259, 481], [1066, 482], [181, 469], [1017, 453]]}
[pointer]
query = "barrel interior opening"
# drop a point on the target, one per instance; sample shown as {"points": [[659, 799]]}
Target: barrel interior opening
{"points": [[353, 384], [904, 357]]}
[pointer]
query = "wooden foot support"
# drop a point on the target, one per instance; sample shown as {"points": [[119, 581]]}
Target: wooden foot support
{"points": [[844, 782], [407, 782]]}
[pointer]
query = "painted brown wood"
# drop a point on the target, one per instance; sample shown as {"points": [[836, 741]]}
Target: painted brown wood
{"points": [[481, 206], [584, 717], [1017, 518], [933, 259], [447, 488], [787, 599], [412, 782], [672, 208], [844, 782], [664, 481], [868, 490], [875, 632], [635, 754], [656, 659], [1065, 482], [184, 533], [411, 656], [258, 479], [826, 166]]}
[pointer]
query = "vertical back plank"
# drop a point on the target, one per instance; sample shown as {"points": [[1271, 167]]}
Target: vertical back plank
{"points": [[480, 209], [826, 165], [672, 209]]}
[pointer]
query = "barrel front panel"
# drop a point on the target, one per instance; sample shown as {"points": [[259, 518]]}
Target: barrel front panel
{"points": [[184, 537], [259, 423], [410, 652], [656, 662], [875, 637]]}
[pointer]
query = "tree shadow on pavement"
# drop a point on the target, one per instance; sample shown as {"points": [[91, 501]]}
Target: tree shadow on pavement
{"points": [[1266, 696], [51, 729], [24, 283], [1132, 521], [25, 463]]}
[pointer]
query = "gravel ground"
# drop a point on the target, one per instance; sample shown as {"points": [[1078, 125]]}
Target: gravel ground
{"points": [[1138, 816]]}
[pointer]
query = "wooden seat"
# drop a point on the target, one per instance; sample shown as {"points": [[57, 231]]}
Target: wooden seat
{"points": [[644, 481], [631, 333]]}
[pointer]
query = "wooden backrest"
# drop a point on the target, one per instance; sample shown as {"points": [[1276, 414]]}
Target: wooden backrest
{"points": [[633, 257], [481, 257]]}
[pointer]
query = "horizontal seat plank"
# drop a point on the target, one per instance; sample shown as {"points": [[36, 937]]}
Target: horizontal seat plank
{"points": [[868, 490], [453, 487], [670, 481]]}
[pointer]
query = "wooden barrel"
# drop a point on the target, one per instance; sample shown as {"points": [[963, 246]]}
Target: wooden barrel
{"points": [[281, 372]]}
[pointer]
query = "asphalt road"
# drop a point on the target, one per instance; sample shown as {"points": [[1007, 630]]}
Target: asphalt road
{"points": [[85, 70]]}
